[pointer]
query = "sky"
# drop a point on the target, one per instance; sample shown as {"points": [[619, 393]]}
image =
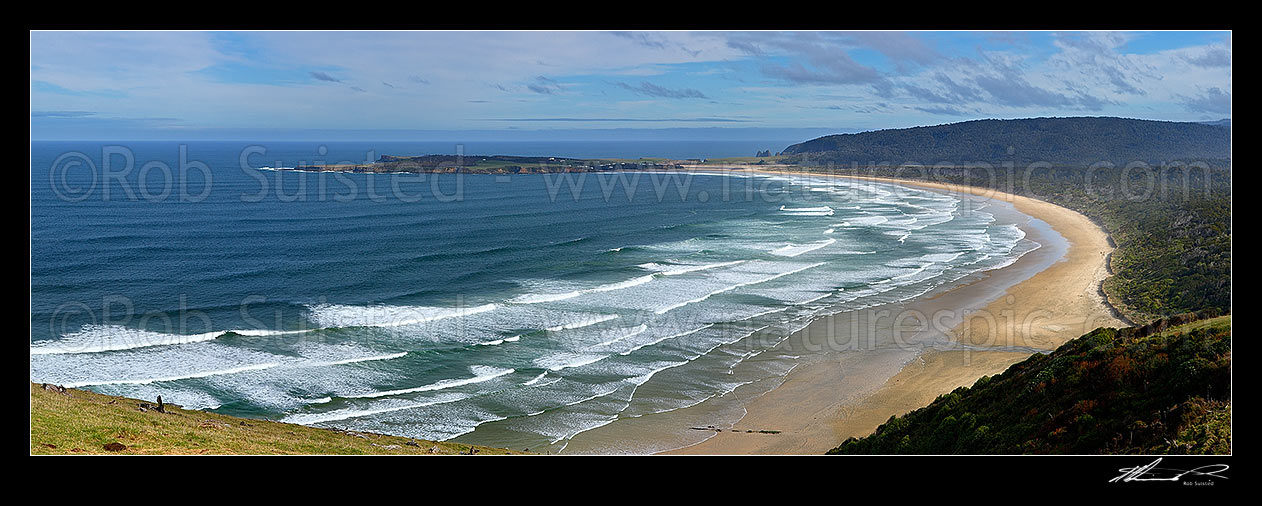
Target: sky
{"points": [[439, 85]]}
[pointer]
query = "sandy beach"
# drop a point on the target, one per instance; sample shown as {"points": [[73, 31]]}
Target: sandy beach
{"points": [[1047, 297]]}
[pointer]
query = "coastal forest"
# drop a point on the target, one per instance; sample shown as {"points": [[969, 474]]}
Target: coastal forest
{"points": [[1170, 219], [1164, 388], [1162, 191], [1077, 141]]}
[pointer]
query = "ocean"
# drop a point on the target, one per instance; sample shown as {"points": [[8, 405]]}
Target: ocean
{"points": [[515, 311]]}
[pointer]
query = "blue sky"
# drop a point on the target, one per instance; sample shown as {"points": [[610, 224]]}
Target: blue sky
{"points": [[417, 85]]}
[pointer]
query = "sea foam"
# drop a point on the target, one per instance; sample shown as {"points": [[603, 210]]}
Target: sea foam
{"points": [[337, 315], [553, 297], [145, 381], [95, 338], [582, 323], [481, 374], [793, 250]]}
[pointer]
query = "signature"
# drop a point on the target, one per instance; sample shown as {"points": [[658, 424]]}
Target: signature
{"points": [[1151, 472]]}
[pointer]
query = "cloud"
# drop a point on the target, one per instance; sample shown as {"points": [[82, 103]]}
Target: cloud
{"points": [[745, 47], [657, 41], [897, 46], [1090, 102], [641, 38], [652, 120], [325, 77], [797, 73], [1121, 81], [928, 95], [942, 110], [833, 68], [1214, 57], [544, 86], [358, 89], [956, 90], [85, 125], [812, 58], [272, 78], [89, 116], [47, 87], [879, 107], [653, 90], [1214, 100], [1006, 83], [61, 114], [1097, 58], [1015, 91]]}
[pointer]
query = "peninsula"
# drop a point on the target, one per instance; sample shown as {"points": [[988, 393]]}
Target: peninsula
{"points": [[490, 164]]}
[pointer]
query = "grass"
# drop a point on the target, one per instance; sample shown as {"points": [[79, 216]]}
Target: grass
{"points": [[1211, 323], [84, 422]]}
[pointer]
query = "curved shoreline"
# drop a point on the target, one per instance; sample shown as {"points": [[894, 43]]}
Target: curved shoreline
{"points": [[822, 403]]}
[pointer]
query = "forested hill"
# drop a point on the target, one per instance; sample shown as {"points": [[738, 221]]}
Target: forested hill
{"points": [[1078, 141], [1164, 388]]}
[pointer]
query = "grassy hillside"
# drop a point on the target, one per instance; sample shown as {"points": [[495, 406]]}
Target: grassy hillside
{"points": [[1164, 388], [1059, 141], [82, 422]]}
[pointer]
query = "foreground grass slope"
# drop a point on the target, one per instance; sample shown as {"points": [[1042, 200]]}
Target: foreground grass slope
{"points": [[84, 422], [1164, 389]]}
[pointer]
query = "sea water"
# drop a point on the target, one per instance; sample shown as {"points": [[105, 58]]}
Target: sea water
{"points": [[515, 310]]}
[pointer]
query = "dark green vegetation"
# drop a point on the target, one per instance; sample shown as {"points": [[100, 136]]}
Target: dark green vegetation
{"points": [[1171, 226], [1170, 219], [1163, 192], [1057, 141], [495, 164], [1164, 388]]}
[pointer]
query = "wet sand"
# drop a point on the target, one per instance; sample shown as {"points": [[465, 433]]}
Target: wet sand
{"points": [[1045, 298]]}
